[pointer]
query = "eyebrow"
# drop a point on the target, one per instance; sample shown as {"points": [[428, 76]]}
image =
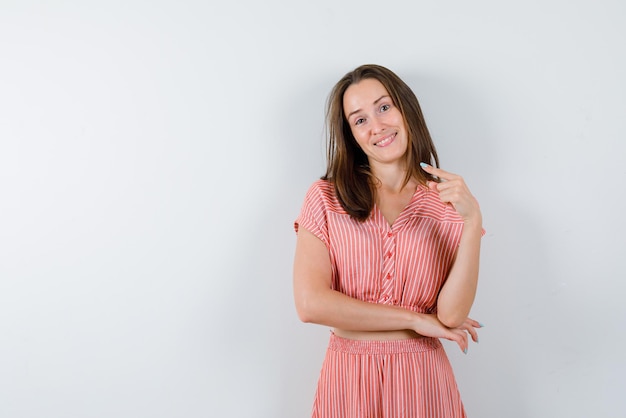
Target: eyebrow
{"points": [[375, 101]]}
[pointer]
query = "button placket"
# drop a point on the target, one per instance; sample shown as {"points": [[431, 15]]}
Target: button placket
{"points": [[389, 266]]}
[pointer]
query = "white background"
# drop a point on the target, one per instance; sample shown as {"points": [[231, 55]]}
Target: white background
{"points": [[154, 155]]}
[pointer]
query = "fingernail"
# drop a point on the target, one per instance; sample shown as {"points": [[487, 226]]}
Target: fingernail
{"points": [[423, 165], [465, 351], [481, 324]]}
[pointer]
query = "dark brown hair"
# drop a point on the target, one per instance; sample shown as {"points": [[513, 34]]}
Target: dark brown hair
{"points": [[347, 165]]}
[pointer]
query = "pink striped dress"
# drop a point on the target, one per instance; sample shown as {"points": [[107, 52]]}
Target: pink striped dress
{"points": [[405, 265]]}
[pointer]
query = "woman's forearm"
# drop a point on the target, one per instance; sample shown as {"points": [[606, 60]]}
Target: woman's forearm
{"points": [[332, 308], [457, 294]]}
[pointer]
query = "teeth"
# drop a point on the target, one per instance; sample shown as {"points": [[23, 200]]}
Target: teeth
{"points": [[385, 141]]}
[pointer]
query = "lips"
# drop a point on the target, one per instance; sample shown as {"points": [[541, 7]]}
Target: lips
{"points": [[386, 140]]}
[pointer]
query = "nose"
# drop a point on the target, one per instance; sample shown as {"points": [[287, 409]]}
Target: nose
{"points": [[377, 125]]}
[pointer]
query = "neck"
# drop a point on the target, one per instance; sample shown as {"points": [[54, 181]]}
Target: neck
{"points": [[391, 178]]}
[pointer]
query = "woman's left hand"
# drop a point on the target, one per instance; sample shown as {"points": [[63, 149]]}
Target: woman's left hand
{"points": [[453, 190], [470, 326]]}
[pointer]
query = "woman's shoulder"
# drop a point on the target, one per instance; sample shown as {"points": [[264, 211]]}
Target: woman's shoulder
{"points": [[323, 192], [322, 189], [323, 186]]}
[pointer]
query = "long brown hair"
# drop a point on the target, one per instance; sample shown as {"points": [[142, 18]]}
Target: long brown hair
{"points": [[347, 165]]}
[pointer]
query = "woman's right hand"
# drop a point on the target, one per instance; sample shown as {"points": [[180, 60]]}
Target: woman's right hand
{"points": [[429, 325]]}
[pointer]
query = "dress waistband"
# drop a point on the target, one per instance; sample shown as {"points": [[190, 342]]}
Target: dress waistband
{"points": [[411, 345]]}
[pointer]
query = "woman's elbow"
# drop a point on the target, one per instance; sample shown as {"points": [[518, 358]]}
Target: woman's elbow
{"points": [[306, 309], [451, 319], [304, 314]]}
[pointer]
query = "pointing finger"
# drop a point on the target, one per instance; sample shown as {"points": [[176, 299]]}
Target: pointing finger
{"points": [[442, 174]]}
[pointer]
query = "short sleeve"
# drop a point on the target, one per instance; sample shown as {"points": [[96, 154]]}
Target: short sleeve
{"points": [[313, 215]]}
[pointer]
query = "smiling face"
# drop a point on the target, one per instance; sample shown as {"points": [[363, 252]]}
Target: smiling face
{"points": [[376, 123]]}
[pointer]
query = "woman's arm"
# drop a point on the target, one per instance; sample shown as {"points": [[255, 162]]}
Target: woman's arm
{"points": [[317, 302], [457, 294]]}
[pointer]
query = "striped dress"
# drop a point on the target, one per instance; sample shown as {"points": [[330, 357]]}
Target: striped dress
{"points": [[404, 264]]}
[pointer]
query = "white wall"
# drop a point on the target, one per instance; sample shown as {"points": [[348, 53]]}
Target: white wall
{"points": [[154, 155]]}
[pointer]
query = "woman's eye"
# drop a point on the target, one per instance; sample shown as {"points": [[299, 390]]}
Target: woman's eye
{"points": [[359, 121], [385, 107]]}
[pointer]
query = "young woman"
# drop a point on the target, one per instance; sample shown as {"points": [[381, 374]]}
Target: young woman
{"points": [[387, 255]]}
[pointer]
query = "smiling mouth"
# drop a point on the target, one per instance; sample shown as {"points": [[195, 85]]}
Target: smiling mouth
{"points": [[385, 141]]}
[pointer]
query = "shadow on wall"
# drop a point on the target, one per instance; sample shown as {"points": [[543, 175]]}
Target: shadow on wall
{"points": [[491, 377], [269, 358], [302, 346], [527, 359]]}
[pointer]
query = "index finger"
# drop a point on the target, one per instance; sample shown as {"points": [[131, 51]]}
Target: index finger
{"points": [[442, 174]]}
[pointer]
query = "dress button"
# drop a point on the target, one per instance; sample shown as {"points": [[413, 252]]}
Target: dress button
{"points": [[389, 254], [390, 234], [388, 276]]}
